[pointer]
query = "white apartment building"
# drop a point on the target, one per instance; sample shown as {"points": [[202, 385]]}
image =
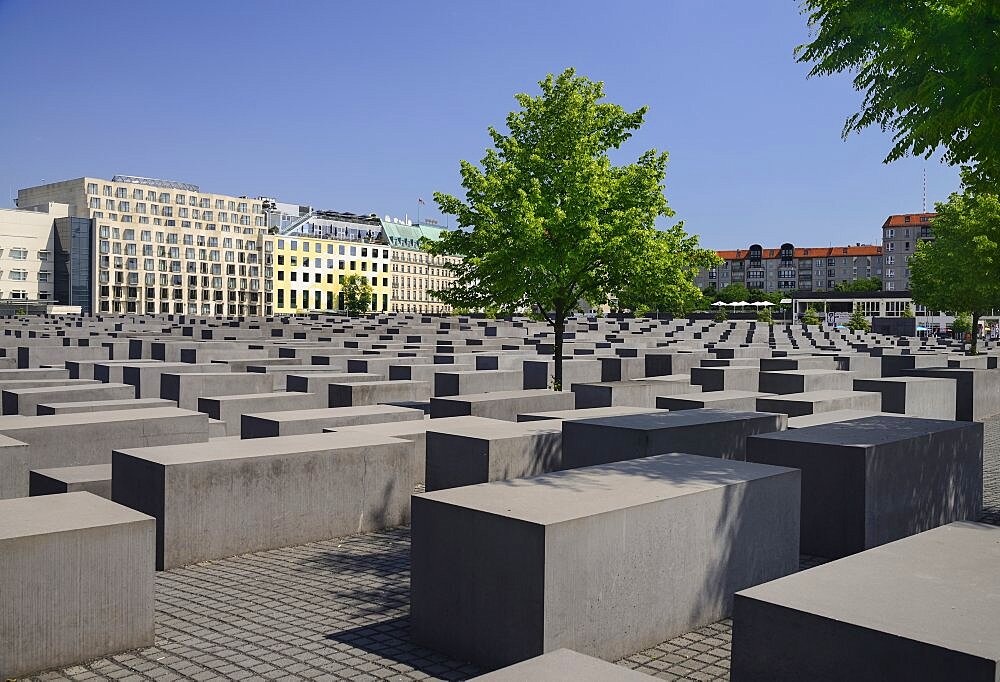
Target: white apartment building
{"points": [[27, 252]]}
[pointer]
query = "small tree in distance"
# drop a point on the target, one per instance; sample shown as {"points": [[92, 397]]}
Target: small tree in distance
{"points": [[908, 311], [357, 295], [858, 322], [548, 221], [810, 317]]}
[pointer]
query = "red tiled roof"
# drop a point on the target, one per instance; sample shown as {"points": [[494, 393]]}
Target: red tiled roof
{"points": [[807, 252], [900, 219]]}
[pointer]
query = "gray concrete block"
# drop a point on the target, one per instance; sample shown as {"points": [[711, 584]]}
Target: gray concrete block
{"points": [[586, 559], [977, 391], [319, 382], [213, 501], [741, 401], [77, 577], [94, 478], [229, 409], [299, 422], [920, 609], [479, 381], [812, 402], [375, 392], [505, 405], [103, 405], [589, 413], [869, 481], [146, 376], [564, 665], [834, 417], [93, 436], [614, 393], [491, 450], [187, 388], [929, 397], [726, 378], [804, 380], [26, 400], [713, 433]]}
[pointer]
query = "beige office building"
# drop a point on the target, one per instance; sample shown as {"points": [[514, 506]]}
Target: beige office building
{"points": [[160, 246], [27, 252]]}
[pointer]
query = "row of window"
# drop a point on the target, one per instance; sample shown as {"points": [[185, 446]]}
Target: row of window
{"points": [[164, 198]]}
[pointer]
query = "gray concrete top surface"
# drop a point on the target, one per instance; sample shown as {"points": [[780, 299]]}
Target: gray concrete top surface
{"points": [[576, 493], [496, 395], [833, 416], [939, 587], [804, 372], [662, 419], [25, 516], [78, 474], [217, 449], [71, 418], [564, 665], [464, 425], [867, 431], [321, 412], [587, 413], [815, 396]]}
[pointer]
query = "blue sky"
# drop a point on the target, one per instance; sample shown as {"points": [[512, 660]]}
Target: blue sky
{"points": [[366, 106]]}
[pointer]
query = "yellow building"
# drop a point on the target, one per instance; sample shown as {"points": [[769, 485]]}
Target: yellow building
{"points": [[317, 251]]}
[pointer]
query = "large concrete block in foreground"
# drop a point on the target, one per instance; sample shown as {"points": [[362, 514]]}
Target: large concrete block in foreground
{"points": [[212, 501], [564, 664], [88, 438], [605, 560], [869, 481], [491, 450], [504, 405], [76, 572], [299, 422], [713, 433], [921, 609]]}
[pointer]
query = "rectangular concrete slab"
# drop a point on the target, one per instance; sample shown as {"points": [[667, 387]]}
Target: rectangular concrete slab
{"points": [[586, 559], [93, 478], [564, 664], [77, 577], [919, 609], [299, 422], [504, 405]]}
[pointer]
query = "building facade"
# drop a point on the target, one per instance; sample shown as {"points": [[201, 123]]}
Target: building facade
{"points": [[315, 251], [415, 273], [159, 246], [900, 235], [790, 268], [28, 252]]}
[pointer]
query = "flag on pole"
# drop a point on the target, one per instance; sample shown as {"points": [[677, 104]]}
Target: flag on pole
{"points": [[421, 202]]}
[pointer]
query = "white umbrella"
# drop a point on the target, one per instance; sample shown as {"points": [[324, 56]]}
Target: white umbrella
{"points": [[765, 304], [717, 303]]}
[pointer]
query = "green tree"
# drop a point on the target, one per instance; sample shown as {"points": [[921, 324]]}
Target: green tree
{"points": [[858, 322], [960, 268], [908, 311], [764, 315], [863, 284], [929, 71], [736, 292], [962, 324], [721, 315], [664, 280], [357, 292], [548, 221], [810, 317]]}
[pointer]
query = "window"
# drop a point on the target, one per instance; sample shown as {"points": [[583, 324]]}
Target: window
{"points": [[19, 254], [91, 188], [19, 275]]}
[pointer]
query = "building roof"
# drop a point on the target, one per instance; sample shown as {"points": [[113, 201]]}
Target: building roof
{"points": [[808, 252], [900, 219], [408, 236]]}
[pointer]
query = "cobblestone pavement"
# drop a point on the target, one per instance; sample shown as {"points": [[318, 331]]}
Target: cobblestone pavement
{"points": [[338, 610]]}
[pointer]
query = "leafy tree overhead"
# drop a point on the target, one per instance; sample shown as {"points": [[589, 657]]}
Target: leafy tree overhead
{"points": [[960, 268], [548, 221], [929, 72], [357, 295]]}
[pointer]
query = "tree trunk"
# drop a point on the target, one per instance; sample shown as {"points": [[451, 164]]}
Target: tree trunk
{"points": [[975, 334], [559, 325]]}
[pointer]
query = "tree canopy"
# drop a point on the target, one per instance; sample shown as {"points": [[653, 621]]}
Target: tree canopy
{"points": [[959, 270], [929, 71], [548, 221], [357, 294], [862, 284]]}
